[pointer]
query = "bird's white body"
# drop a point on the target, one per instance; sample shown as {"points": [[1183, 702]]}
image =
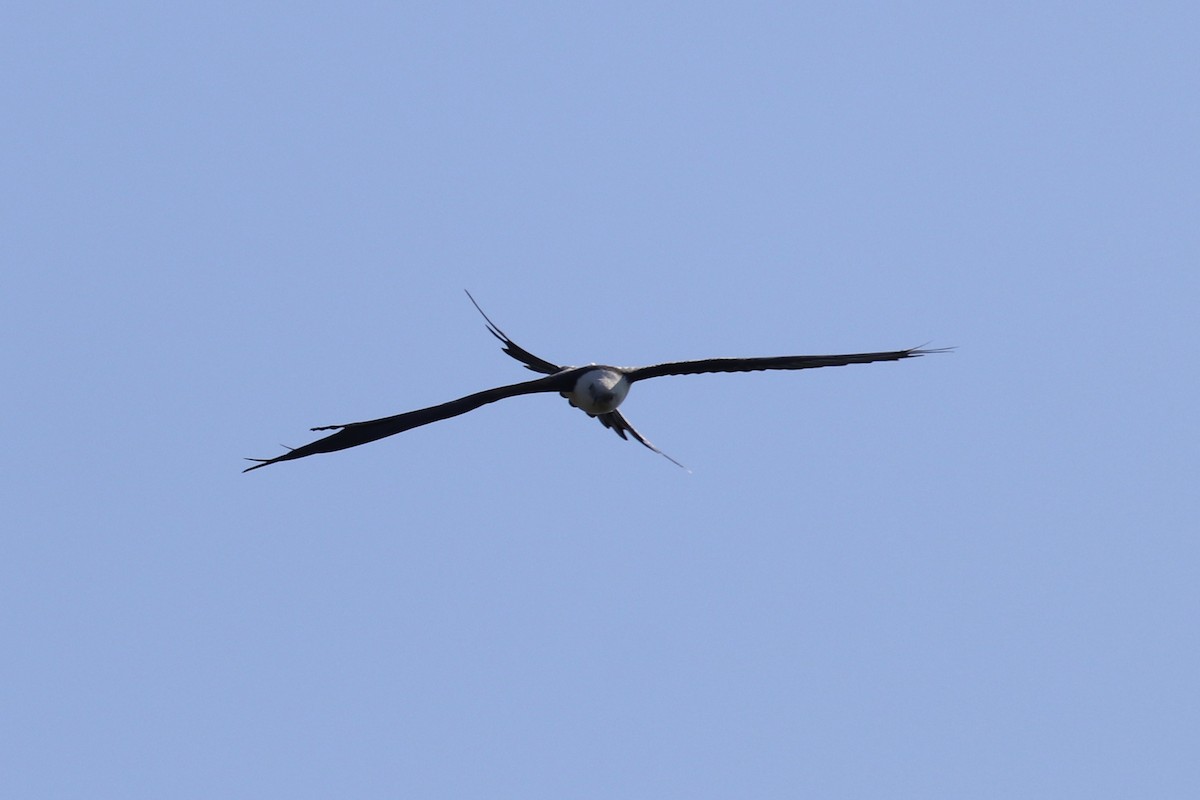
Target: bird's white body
{"points": [[599, 391]]}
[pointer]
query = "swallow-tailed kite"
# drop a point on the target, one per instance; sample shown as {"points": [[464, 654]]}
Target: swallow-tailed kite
{"points": [[596, 389]]}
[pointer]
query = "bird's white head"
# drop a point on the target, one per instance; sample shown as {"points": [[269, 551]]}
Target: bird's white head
{"points": [[599, 391]]}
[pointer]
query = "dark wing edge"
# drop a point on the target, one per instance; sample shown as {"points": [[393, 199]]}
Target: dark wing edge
{"points": [[773, 363], [353, 434], [620, 426], [513, 349]]}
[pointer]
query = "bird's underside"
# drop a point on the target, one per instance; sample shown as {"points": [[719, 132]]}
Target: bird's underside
{"points": [[589, 388]]}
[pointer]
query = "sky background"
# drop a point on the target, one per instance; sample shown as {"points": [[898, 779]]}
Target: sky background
{"points": [[967, 575]]}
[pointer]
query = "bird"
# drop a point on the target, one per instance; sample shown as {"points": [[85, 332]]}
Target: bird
{"points": [[595, 389]]}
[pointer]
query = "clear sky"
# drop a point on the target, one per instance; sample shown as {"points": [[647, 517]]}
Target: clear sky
{"points": [[962, 576]]}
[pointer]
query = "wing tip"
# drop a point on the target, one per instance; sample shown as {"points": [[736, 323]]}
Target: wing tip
{"points": [[922, 350], [265, 462]]}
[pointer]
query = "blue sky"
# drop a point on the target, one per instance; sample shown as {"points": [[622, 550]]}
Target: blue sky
{"points": [[969, 575]]}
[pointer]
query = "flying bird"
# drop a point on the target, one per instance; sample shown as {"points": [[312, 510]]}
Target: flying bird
{"points": [[596, 389]]}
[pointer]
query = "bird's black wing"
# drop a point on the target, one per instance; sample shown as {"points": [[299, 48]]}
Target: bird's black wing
{"points": [[516, 351], [770, 362], [355, 433], [620, 426]]}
